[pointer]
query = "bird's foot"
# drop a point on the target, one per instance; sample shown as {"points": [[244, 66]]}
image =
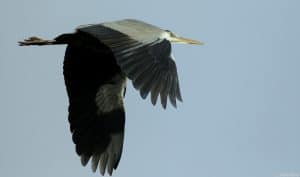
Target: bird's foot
{"points": [[35, 41]]}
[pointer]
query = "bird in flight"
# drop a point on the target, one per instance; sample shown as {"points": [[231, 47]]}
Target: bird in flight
{"points": [[98, 60]]}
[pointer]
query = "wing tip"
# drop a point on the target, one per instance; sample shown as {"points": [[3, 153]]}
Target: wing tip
{"points": [[84, 160]]}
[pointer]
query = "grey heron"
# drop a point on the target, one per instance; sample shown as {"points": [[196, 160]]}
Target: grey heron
{"points": [[98, 59]]}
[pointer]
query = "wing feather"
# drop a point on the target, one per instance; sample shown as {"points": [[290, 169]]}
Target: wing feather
{"points": [[145, 77], [149, 83], [173, 89], [156, 89], [165, 91], [148, 64]]}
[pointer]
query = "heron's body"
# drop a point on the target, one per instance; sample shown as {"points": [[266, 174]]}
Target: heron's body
{"points": [[98, 60]]}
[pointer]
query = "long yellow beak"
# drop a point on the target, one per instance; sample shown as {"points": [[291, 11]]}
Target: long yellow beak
{"points": [[183, 40]]}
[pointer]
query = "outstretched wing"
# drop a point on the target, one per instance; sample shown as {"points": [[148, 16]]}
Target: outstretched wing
{"points": [[96, 114], [148, 63]]}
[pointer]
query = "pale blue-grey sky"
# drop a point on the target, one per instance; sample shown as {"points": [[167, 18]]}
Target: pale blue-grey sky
{"points": [[241, 111]]}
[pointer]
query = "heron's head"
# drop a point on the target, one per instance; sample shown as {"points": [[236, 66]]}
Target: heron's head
{"points": [[172, 37]]}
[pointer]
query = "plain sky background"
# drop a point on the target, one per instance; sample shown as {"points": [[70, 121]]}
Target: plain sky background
{"points": [[241, 111]]}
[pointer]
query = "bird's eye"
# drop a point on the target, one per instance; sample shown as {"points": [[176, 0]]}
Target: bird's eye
{"points": [[170, 33]]}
